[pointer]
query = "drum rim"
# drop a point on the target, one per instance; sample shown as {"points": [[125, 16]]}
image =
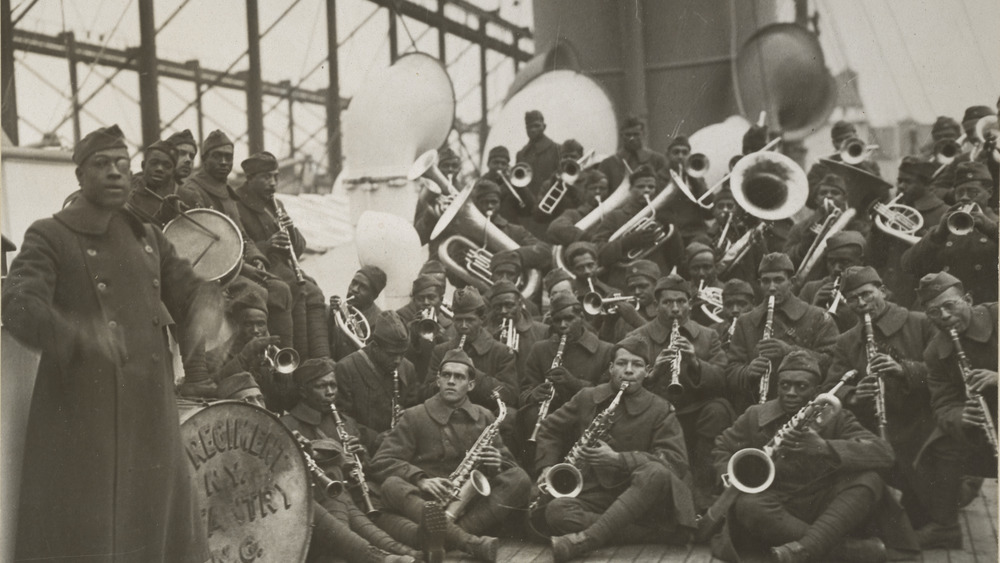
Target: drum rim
{"points": [[239, 260]]}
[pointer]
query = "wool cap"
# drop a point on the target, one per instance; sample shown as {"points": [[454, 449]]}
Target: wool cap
{"points": [[555, 276], [579, 247], [373, 277], [234, 384], [563, 301], [506, 257], [973, 173], [311, 369], [737, 287], [644, 268], [632, 121], [433, 267], [423, 282], [845, 238], [498, 152], [244, 295], [533, 116], [643, 171], [215, 140], [775, 262], [679, 141], [98, 140], [696, 248], [932, 285], [259, 162], [458, 356], [946, 128], [920, 169], [390, 332], [485, 187], [841, 131], [164, 147], [857, 276], [800, 360], [974, 114], [445, 154], [672, 282], [634, 344], [834, 181], [571, 146], [501, 288], [183, 138], [467, 300]]}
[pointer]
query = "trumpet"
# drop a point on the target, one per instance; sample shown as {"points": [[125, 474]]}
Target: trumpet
{"points": [[985, 134], [520, 177], [898, 220], [543, 408], [947, 150], [331, 487], [594, 304], [352, 322], [961, 222], [765, 381], [966, 370], [837, 296], [675, 388], [283, 360], [696, 165], [427, 325], [855, 151], [870, 351], [508, 333], [569, 173]]}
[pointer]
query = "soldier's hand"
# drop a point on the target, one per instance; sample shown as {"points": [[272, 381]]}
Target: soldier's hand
{"points": [[807, 442], [540, 482], [437, 487], [824, 296], [490, 458], [280, 240], [773, 349], [353, 446], [639, 239], [541, 392], [335, 302], [686, 348], [259, 264], [255, 348], [983, 223], [663, 360], [972, 415], [866, 389], [885, 366], [980, 379], [758, 367], [559, 375], [600, 455]]}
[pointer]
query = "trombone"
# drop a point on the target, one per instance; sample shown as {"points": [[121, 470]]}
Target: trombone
{"points": [[569, 173], [520, 177]]}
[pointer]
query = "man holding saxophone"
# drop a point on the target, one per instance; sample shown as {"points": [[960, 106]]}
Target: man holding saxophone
{"points": [[825, 479], [962, 363], [630, 463], [689, 371], [430, 442], [891, 398]]}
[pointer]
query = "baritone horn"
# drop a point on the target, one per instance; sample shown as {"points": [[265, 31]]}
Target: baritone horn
{"points": [[961, 222], [352, 323], [426, 166], [283, 360], [898, 220]]}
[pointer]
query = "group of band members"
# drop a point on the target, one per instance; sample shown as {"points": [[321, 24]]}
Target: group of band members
{"points": [[640, 404]]}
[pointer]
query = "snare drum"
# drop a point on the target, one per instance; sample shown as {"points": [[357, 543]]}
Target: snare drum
{"points": [[210, 240], [251, 481]]}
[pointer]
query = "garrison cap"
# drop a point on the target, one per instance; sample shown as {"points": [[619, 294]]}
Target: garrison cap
{"points": [[562, 301], [433, 267], [933, 285], [845, 238], [555, 276], [501, 288], [373, 276], [696, 248], [424, 282], [467, 300], [643, 171], [183, 138], [917, 168], [857, 276], [458, 356], [98, 140], [506, 257], [946, 128], [215, 140], [834, 181], [679, 141], [974, 114], [645, 268], [672, 282], [800, 360], [737, 287], [533, 116], [634, 344], [571, 146], [775, 262], [244, 294], [445, 154], [164, 147], [390, 332], [485, 187], [498, 152], [632, 121], [580, 247], [311, 369], [259, 162], [842, 130], [236, 383], [973, 173]]}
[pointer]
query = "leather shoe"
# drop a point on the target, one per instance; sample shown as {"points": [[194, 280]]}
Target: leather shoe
{"points": [[485, 548], [791, 552], [937, 536], [571, 546], [433, 525], [867, 550]]}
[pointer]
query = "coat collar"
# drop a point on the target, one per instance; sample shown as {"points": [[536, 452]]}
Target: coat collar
{"points": [[980, 325], [892, 319], [660, 333], [441, 412], [499, 221], [928, 202], [210, 184], [635, 404], [306, 414], [522, 320], [481, 343], [253, 201], [770, 412], [793, 308], [86, 218], [588, 340]]}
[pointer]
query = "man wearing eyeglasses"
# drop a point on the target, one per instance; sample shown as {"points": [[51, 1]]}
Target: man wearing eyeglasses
{"points": [[958, 444], [900, 337]]}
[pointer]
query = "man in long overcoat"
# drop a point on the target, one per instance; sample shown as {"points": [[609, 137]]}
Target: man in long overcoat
{"points": [[94, 289]]}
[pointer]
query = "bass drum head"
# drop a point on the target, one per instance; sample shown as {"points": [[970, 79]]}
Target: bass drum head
{"points": [[251, 482], [215, 256]]}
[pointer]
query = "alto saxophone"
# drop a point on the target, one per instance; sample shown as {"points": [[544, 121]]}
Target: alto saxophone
{"points": [[870, 352], [284, 219], [675, 388], [466, 480], [543, 409], [357, 473], [765, 380], [966, 369]]}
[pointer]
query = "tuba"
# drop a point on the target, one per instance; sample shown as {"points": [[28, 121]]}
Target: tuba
{"points": [[569, 173], [460, 224], [594, 218], [466, 480], [352, 323], [898, 220]]}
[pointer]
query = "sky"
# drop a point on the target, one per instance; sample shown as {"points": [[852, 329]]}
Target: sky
{"points": [[916, 59]]}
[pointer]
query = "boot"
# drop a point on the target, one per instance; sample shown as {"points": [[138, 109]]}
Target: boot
{"points": [[867, 550], [966, 493], [316, 325], [483, 548], [433, 528], [376, 555], [571, 546], [938, 536], [791, 552]]}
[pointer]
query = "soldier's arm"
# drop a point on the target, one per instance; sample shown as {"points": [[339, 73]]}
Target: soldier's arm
{"points": [[398, 449]]}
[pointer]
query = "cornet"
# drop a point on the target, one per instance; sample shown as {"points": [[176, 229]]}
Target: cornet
{"points": [[961, 222], [283, 360], [427, 325], [946, 150], [594, 304], [508, 333]]}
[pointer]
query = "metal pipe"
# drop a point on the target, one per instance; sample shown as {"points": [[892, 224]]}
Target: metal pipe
{"points": [[255, 87], [149, 98], [8, 117], [332, 93]]}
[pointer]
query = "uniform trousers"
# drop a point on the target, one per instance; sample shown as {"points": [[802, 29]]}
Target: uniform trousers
{"points": [[701, 426]]}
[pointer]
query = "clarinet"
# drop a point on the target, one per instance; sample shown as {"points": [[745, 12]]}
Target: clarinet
{"points": [[283, 218], [331, 487], [765, 380], [966, 369], [870, 351], [357, 473], [397, 407], [543, 409], [675, 388]]}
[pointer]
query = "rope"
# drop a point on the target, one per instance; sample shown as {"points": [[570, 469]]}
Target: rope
{"points": [[909, 55], [395, 12], [20, 16], [975, 39], [882, 57]]}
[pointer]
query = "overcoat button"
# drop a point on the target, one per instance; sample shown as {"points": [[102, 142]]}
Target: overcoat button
{"points": [[978, 267], [156, 283], [113, 325], [949, 244], [156, 357], [91, 252], [149, 249], [102, 286]]}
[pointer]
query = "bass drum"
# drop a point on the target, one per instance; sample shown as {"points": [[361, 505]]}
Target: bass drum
{"points": [[250, 480], [210, 240]]}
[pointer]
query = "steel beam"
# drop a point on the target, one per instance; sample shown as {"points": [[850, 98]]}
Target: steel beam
{"points": [[149, 98], [333, 106], [8, 101], [483, 76], [393, 37], [255, 88], [69, 42]]}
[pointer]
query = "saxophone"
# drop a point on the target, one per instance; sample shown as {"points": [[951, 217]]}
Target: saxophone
{"points": [[675, 388], [284, 219], [765, 380], [466, 480], [397, 405], [870, 351], [543, 409], [966, 369], [357, 473], [565, 479]]}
